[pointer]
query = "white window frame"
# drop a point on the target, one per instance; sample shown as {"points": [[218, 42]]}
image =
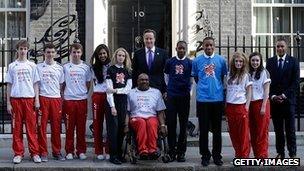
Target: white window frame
{"points": [[272, 5], [5, 39]]}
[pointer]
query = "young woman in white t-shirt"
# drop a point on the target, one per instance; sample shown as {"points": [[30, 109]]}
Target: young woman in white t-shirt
{"points": [[100, 62], [237, 104], [259, 111]]}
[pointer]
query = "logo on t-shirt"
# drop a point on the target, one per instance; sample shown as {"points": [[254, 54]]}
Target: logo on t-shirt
{"points": [[179, 69], [209, 70], [120, 78]]}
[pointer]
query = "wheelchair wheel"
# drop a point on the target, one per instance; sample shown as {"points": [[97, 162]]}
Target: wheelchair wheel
{"points": [[166, 158]]}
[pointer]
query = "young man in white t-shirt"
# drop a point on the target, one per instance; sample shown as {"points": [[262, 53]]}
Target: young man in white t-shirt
{"points": [[77, 83], [51, 80], [22, 98]]}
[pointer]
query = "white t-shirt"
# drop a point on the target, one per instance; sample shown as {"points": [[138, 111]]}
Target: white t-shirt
{"points": [[51, 76], [22, 76], [145, 104], [76, 77], [100, 87], [236, 93], [257, 85]]}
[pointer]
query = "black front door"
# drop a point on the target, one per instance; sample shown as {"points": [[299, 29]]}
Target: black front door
{"points": [[129, 18]]}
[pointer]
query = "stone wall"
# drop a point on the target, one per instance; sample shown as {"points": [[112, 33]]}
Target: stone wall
{"points": [[209, 10], [64, 26]]}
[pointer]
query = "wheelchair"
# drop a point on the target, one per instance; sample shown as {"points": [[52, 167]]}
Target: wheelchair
{"points": [[130, 147]]}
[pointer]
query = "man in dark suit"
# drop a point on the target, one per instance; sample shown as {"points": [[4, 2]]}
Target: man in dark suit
{"points": [[150, 60], [284, 74]]}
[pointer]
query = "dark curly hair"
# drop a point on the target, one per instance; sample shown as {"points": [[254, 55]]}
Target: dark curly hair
{"points": [[259, 69], [97, 64]]}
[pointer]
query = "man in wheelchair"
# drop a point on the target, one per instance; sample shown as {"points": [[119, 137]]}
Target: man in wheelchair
{"points": [[145, 115]]}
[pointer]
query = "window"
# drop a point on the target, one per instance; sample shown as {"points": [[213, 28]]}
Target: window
{"points": [[13, 25], [273, 19]]}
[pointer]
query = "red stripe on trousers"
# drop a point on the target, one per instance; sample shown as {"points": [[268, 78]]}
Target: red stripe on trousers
{"points": [[75, 112], [99, 102], [23, 111], [238, 123], [51, 110], [259, 128]]}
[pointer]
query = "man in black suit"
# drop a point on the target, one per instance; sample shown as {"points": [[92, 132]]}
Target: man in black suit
{"points": [[284, 74], [150, 60]]}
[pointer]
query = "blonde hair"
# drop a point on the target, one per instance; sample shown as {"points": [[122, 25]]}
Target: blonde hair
{"points": [[127, 62], [235, 73]]}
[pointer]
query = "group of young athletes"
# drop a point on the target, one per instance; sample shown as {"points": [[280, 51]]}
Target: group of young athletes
{"points": [[50, 92]]}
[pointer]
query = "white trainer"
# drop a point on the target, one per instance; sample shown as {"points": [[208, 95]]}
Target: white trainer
{"points": [[69, 156], [36, 159], [17, 159], [82, 156], [107, 156], [100, 157]]}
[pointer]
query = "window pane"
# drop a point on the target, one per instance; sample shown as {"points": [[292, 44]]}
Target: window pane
{"points": [[16, 3], [282, 1], [16, 22], [299, 1], [299, 51], [298, 19], [2, 3], [11, 46], [2, 24], [281, 20], [262, 16], [265, 46], [262, 1]]}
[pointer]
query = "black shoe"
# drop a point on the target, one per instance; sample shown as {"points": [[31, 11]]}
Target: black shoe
{"points": [[280, 156], [172, 158], [293, 156], [154, 156], [205, 162], [143, 156], [122, 159], [218, 162], [181, 158], [59, 157], [115, 161]]}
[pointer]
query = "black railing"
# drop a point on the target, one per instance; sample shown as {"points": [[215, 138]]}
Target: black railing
{"points": [[35, 54]]}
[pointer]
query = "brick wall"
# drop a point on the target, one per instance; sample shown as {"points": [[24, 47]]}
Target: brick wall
{"points": [[211, 9], [41, 24]]}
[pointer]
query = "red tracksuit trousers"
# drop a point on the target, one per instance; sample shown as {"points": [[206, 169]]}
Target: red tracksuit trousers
{"points": [[259, 128], [51, 110], [238, 123], [146, 133], [23, 111], [99, 101], [76, 116]]}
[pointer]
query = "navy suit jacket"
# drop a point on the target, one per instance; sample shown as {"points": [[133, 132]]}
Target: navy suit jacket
{"points": [[156, 73], [287, 81]]}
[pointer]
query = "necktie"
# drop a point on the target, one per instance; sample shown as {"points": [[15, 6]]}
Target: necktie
{"points": [[280, 67], [280, 64], [150, 59]]}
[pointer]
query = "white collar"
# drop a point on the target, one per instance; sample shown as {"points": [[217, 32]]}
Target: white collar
{"points": [[284, 56], [206, 56], [152, 49], [119, 66], [180, 59]]}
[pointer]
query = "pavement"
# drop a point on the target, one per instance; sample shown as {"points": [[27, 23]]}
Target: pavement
{"points": [[91, 164]]}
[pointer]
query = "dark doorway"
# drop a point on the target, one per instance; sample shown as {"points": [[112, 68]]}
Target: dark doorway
{"points": [[129, 18]]}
